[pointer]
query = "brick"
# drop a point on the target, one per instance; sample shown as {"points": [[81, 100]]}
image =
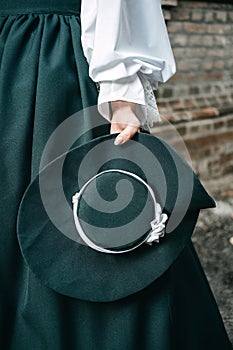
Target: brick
{"points": [[183, 65], [197, 16], [179, 91], [193, 90], [216, 52], [192, 4], [205, 113], [194, 52], [168, 117], [205, 152], [213, 76], [225, 99], [195, 27], [205, 127], [228, 67], [177, 117], [167, 92], [225, 158], [162, 103], [199, 142], [209, 16], [217, 88], [207, 65], [221, 16], [219, 125], [188, 64], [219, 64], [230, 16], [229, 64], [214, 168], [228, 169], [175, 27], [213, 101], [215, 29], [169, 2], [230, 123], [228, 40], [221, 6], [207, 88], [179, 52], [181, 130], [200, 101], [179, 40], [227, 193], [226, 109], [207, 40], [194, 40], [175, 78], [219, 28], [176, 104], [166, 14], [189, 103], [194, 129], [191, 77], [220, 40], [182, 116], [216, 138], [162, 110], [181, 15]]}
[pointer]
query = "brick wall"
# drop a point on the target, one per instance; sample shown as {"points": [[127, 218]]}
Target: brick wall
{"points": [[198, 100]]}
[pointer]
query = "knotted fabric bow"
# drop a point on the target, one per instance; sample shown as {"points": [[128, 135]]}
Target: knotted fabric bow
{"points": [[157, 226]]}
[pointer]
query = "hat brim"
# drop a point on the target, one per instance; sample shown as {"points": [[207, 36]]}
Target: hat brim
{"points": [[74, 269]]}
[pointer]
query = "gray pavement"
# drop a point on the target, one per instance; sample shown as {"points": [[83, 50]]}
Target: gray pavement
{"points": [[213, 239]]}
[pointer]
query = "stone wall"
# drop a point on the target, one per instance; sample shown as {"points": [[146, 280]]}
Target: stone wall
{"points": [[198, 100]]}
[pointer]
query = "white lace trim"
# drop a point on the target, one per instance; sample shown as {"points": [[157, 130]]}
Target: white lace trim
{"points": [[152, 112]]}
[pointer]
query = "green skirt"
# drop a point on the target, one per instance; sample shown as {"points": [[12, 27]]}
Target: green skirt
{"points": [[44, 80]]}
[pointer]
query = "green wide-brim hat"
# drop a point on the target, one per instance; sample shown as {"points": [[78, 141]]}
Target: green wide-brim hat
{"points": [[115, 213]]}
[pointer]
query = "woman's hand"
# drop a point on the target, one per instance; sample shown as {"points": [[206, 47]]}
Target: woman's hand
{"points": [[124, 121]]}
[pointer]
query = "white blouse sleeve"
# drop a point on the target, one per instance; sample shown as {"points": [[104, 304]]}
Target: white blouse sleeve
{"points": [[127, 47]]}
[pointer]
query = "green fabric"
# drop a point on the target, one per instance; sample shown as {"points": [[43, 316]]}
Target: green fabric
{"points": [[43, 80]]}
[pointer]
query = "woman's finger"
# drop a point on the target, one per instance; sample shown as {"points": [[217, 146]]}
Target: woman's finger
{"points": [[124, 121], [126, 135]]}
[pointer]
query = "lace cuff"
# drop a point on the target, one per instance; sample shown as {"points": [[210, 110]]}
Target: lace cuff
{"points": [[137, 89], [152, 112]]}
